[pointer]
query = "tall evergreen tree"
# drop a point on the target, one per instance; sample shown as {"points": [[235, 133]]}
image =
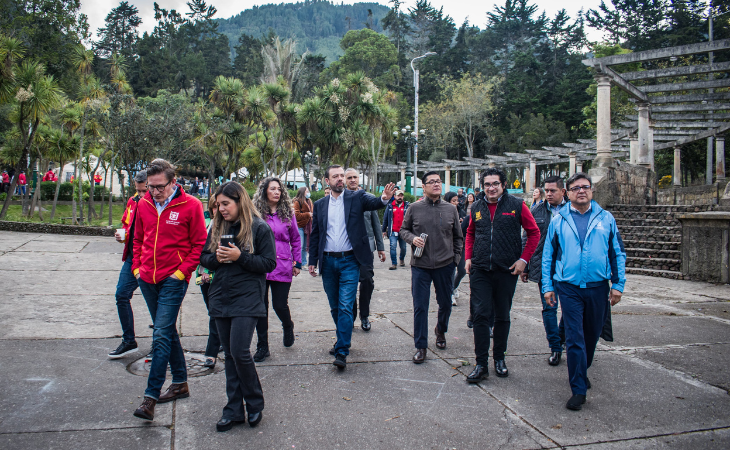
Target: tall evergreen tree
{"points": [[119, 36]]}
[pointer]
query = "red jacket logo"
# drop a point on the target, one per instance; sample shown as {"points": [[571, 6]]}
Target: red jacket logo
{"points": [[174, 215]]}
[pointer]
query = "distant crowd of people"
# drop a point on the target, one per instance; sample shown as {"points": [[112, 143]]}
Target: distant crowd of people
{"points": [[244, 254]]}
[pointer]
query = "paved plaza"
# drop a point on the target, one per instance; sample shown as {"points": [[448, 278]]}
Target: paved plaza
{"points": [[663, 383]]}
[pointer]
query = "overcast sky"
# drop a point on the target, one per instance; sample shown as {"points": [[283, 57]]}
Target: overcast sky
{"points": [[474, 10]]}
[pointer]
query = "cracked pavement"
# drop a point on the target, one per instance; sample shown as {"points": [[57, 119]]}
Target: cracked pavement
{"points": [[663, 383]]}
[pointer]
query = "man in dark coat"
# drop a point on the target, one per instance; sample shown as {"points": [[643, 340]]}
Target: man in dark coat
{"points": [[339, 245]]}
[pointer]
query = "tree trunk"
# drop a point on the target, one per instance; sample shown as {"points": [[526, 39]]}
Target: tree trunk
{"points": [[58, 188], [37, 195], [92, 211], [81, 159], [111, 186]]}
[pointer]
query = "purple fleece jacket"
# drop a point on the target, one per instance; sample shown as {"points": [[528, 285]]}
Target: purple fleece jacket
{"points": [[288, 247]]}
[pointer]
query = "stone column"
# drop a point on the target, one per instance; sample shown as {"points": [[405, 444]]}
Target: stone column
{"points": [[708, 174], [533, 175], [633, 150], [476, 178], [579, 166], [447, 179], [573, 158], [719, 158], [642, 158], [651, 144], [603, 123], [677, 178], [403, 179]]}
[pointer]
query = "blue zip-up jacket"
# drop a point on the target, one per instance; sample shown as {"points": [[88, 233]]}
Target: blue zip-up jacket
{"points": [[601, 258]]}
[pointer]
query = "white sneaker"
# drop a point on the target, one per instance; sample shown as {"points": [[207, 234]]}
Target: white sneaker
{"points": [[453, 300], [456, 293]]}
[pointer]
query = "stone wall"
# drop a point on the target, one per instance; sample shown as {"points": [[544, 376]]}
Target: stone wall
{"points": [[625, 184], [706, 194], [55, 229]]}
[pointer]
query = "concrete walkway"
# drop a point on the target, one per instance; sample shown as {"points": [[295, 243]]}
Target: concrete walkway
{"points": [[663, 383]]}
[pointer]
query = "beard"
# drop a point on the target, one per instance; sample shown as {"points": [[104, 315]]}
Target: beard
{"points": [[338, 188]]}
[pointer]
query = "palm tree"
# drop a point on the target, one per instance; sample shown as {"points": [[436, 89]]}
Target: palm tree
{"points": [[11, 50], [36, 95]]}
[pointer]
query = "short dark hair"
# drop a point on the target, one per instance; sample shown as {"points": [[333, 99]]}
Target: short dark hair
{"points": [[141, 176], [449, 195], [160, 165], [579, 176], [428, 174], [554, 179], [493, 171], [333, 166]]}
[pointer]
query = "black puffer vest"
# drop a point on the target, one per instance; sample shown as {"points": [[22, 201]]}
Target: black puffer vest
{"points": [[497, 243]]}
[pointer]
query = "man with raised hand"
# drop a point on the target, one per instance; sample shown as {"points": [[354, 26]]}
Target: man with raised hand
{"points": [[440, 252], [339, 246], [583, 252], [169, 235]]}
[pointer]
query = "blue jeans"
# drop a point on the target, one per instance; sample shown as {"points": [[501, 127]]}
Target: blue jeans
{"points": [[303, 237], [555, 332], [340, 277], [584, 312], [164, 300], [21, 190], [394, 241], [126, 286]]}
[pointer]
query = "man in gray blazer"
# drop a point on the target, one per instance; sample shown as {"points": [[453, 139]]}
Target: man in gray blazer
{"points": [[367, 274]]}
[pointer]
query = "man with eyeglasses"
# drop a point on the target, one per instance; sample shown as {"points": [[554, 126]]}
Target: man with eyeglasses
{"points": [[543, 214], [494, 260], [169, 235], [583, 252], [441, 252]]}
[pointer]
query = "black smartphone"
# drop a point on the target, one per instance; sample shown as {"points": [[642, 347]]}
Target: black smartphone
{"points": [[227, 239]]}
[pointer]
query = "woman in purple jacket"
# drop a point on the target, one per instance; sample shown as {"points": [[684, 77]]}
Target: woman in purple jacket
{"points": [[272, 202]]}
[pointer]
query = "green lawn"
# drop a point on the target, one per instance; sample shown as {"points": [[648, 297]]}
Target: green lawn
{"points": [[64, 211]]}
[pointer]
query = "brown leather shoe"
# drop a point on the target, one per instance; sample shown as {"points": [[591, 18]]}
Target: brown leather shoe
{"points": [[146, 410], [174, 392], [420, 356], [440, 338]]}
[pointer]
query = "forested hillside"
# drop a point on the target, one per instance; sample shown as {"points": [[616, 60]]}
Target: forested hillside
{"points": [[316, 25]]}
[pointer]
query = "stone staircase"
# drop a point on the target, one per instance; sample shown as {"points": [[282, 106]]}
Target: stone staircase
{"points": [[653, 237]]}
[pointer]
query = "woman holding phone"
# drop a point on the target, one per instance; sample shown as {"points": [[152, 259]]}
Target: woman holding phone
{"points": [[236, 296], [272, 203]]}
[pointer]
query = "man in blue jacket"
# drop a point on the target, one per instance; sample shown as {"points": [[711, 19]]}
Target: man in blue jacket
{"points": [[583, 252], [339, 244]]}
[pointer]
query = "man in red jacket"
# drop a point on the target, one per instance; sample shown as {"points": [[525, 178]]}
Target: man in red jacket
{"points": [[21, 183], [169, 235], [48, 176]]}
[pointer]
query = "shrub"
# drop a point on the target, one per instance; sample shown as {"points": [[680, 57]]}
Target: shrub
{"points": [[665, 182], [48, 190]]}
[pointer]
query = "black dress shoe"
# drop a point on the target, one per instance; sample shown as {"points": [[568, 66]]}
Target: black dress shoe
{"points": [[226, 424], [340, 361], [576, 402], [209, 363], [262, 352], [554, 358], [470, 322], [332, 351], [255, 418], [478, 374], [365, 324], [289, 336], [420, 356], [500, 368], [440, 338]]}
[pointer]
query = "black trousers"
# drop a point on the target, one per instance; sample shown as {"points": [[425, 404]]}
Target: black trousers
{"points": [[280, 302], [421, 279], [491, 296], [367, 286], [214, 341], [242, 380]]}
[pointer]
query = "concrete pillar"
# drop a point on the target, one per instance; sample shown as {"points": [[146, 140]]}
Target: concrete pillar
{"points": [[533, 176], [579, 166], [651, 144], [719, 158], [677, 178], [573, 158], [603, 123], [476, 178], [403, 179], [633, 150], [447, 179], [643, 137], [708, 171]]}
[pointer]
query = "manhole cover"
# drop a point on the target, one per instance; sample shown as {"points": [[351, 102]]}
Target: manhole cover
{"points": [[194, 362]]}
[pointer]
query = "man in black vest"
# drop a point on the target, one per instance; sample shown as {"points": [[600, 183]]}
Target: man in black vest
{"points": [[494, 261]]}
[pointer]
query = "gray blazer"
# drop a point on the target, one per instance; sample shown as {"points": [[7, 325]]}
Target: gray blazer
{"points": [[372, 222]]}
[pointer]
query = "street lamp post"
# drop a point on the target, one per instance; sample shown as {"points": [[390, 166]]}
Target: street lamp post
{"points": [[415, 144]]}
